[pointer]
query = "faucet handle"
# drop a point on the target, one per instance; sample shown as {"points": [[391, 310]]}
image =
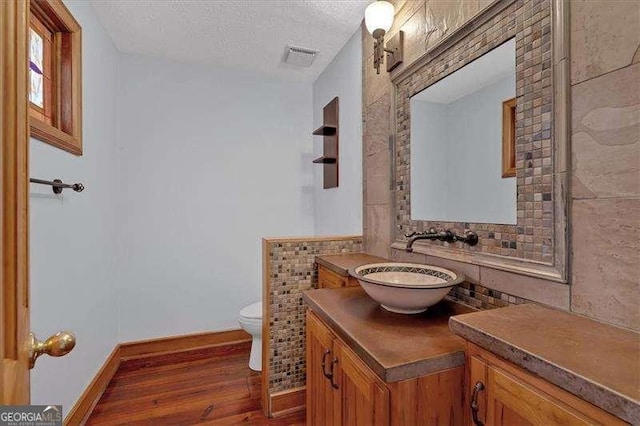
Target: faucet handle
{"points": [[471, 238], [410, 234]]}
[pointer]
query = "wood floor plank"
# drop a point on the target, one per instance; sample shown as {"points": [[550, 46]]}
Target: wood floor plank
{"points": [[217, 392], [208, 386], [143, 369], [221, 370], [256, 418]]}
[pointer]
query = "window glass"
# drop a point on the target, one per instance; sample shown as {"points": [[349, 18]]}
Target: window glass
{"points": [[36, 64]]}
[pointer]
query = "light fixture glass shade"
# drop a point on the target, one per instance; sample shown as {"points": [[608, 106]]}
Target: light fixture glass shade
{"points": [[379, 15]]}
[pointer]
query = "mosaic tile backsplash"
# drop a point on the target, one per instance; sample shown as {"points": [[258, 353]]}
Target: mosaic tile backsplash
{"points": [[481, 297], [529, 21], [291, 271]]}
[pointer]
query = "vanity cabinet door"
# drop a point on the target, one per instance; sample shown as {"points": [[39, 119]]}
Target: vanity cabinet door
{"points": [[515, 403], [323, 400], [502, 394], [477, 392], [365, 398]]}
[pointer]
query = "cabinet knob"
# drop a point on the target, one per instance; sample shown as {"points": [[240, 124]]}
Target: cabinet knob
{"points": [[333, 363], [477, 388], [323, 364]]}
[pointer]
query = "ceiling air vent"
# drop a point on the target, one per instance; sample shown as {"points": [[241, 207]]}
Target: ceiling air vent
{"points": [[300, 56]]}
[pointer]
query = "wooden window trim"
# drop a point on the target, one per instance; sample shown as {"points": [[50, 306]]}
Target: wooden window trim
{"points": [[509, 138], [65, 128]]}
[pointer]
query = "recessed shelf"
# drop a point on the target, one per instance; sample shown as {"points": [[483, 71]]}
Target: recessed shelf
{"points": [[325, 131], [330, 152], [325, 160]]}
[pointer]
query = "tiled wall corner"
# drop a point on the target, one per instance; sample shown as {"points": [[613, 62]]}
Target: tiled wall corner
{"points": [[292, 271]]}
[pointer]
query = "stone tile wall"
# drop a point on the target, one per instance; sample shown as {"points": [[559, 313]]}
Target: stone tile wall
{"points": [[290, 270], [605, 211]]}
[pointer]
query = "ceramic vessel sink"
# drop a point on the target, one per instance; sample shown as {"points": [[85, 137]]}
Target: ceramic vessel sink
{"points": [[405, 288]]}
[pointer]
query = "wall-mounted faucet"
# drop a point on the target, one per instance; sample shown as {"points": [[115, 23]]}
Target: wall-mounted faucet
{"points": [[445, 235]]}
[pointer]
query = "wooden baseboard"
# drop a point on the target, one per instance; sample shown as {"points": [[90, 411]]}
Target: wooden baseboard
{"points": [[142, 349], [91, 395], [187, 342], [287, 402]]}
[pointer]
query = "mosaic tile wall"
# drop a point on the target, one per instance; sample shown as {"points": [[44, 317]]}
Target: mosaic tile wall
{"points": [[529, 21], [292, 270], [469, 292], [482, 297]]}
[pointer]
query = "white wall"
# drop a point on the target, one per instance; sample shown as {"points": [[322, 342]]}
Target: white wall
{"points": [[210, 161], [457, 158], [73, 235], [338, 211]]}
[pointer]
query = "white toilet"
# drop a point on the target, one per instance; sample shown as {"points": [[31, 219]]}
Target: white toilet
{"points": [[250, 320]]}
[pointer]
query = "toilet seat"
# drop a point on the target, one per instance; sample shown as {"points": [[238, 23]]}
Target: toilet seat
{"points": [[252, 312]]}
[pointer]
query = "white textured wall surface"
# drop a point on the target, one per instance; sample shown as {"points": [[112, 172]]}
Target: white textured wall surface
{"points": [[73, 236], [338, 211], [210, 161]]}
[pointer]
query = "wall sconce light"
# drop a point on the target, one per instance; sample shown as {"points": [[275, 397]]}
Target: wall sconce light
{"points": [[378, 18]]}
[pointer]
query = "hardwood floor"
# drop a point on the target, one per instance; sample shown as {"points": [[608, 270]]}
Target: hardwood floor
{"points": [[211, 386]]}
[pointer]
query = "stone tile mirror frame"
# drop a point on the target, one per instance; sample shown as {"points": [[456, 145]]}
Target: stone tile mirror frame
{"points": [[538, 244]]}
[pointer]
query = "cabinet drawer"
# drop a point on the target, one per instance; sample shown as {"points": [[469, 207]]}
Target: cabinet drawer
{"points": [[329, 279]]}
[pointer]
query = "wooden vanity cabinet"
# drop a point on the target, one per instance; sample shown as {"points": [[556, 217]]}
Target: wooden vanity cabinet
{"points": [[506, 395], [343, 390], [329, 279], [323, 404], [364, 397]]}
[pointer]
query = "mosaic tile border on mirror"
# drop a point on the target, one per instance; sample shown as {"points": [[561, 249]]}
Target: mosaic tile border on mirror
{"points": [[537, 244]]}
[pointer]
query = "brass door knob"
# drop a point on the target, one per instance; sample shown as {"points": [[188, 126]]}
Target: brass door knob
{"points": [[59, 344]]}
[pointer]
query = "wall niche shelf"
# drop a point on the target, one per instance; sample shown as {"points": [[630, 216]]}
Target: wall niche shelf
{"points": [[325, 160], [325, 131], [329, 133]]}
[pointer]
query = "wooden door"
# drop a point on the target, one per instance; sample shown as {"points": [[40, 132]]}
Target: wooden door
{"points": [[14, 179], [323, 399], [364, 397]]}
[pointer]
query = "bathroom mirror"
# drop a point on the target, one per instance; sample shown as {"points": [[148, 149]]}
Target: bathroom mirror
{"points": [[464, 172], [462, 143]]}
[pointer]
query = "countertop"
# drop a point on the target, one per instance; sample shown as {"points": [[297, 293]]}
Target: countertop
{"points": [[341, 263], [395, 346], [594, 361]]}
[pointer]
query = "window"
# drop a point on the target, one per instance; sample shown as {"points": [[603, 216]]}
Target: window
{"points": [[509, 138], [55, 90]]}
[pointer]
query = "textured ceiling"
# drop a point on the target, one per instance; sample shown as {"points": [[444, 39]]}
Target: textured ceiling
{"points": [[250, 34]]}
